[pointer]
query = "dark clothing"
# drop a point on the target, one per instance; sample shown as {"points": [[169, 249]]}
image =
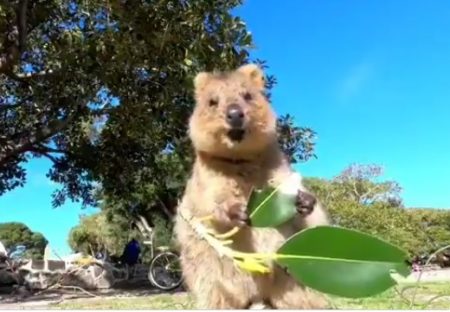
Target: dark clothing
{"points": [[131, 253]]}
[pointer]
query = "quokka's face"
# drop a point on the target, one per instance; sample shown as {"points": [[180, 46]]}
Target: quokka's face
{"points": [[232, 115]]}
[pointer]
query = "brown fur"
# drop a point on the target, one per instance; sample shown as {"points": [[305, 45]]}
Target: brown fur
{"points": [[222, 178]]}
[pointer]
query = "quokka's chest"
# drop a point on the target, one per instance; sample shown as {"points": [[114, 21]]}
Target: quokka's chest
{"points": [[242, 184]]}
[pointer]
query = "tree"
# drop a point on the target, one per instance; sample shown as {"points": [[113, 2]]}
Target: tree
{"points": [[103, 90], [435, 223], [94, 233], [358, 183], [97, 233], [13, 234], [357, 199], [393, 224]]}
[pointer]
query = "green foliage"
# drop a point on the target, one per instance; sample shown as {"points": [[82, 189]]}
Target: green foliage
{"points": [[390, 223], [359, 183], [163, 231], [342, 262], [297, 142], [100, 232], [14, 233], [434, 224], [95, 233]]}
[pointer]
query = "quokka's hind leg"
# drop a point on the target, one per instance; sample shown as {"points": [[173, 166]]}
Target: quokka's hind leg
{"points": [[217, 298], [215, 283], [286, 293]]}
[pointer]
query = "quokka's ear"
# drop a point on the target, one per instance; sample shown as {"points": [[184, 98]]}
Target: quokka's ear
{"points": [[201, 80], [254, 73]]}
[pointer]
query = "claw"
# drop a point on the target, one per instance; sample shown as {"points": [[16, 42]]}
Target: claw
{"points": [[305, 202]]}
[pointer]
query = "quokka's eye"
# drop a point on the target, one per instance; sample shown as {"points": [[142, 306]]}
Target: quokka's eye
{"points": [[247, 96], [213, 102]]}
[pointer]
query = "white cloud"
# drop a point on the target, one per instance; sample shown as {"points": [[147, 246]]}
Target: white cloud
{"points": [[354, 81]]}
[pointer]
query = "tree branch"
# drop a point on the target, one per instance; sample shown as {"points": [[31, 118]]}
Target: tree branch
{"points": [[40, 136], [166, 210], [46, 152], [22, 23], [53, 159], [52, 150], [15, 105], [41, 73]]}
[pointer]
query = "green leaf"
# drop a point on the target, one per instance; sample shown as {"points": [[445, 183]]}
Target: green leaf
{"points": [[342, 262], [247, 40], [270, 208], [188, 62]]}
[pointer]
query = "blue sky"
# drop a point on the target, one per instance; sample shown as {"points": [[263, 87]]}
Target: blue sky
{"points": [[371, 77]]}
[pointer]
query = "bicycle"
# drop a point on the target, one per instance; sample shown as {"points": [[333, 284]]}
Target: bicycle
{"points": [[165, 265], [164, 262], [164, 270]]}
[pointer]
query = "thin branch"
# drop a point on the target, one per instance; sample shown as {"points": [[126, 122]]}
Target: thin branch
{"points": [[165, 209], [53, 159], [46, 152], [40, 136], [23, 76], [22, 24], [5, 107], [76, 288], [48, 149]]}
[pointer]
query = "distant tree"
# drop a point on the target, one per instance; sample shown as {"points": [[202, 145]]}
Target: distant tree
{"points": [[358, 198], [98, 232], [392, 224], [14, 233], [94, 233], [358, 183], [435, 223]]}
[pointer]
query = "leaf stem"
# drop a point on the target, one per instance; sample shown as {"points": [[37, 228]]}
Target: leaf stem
{"points": [[289, 180], [265, 201], [227, 234], [284, 256], [247, 261]]}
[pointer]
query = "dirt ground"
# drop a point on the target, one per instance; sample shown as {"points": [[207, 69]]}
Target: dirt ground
{"points": [[46, 298], [431, 276]]}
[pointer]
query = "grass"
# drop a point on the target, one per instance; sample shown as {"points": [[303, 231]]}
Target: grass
{"points": [[400, 298], [388, 300], [165, 301]]}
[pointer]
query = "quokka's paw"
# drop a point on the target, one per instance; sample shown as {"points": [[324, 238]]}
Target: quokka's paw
{"points": [[233, 214], [305, 203]]}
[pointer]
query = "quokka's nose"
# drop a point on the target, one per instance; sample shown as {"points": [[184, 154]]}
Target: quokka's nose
{"points": [[235, 116]]}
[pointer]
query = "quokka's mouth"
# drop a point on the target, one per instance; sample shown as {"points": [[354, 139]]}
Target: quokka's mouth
{"points": [[236, 135]]}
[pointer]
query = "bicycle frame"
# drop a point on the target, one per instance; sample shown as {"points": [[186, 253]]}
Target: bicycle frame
{"points": [[148, 234]]}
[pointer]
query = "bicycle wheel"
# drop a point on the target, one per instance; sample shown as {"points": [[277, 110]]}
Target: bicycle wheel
{"points": [[165, 271]]}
